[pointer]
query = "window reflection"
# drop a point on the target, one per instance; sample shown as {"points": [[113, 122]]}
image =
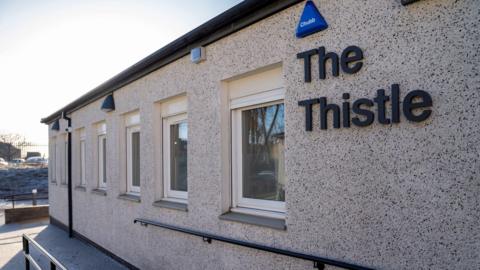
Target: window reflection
{"points": [[263, 133], [178, 155], [136, 159], [104, 160]]}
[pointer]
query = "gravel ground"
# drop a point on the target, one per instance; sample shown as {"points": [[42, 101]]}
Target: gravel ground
{"points": [[15, 180]]}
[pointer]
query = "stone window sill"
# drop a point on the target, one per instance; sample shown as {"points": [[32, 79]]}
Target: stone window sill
{"points": [[81, 188], [274, 223], [98, 191], [129, 197], [171, 205]]}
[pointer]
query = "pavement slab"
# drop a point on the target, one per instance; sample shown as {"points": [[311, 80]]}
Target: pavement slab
{"points": [[71, 252]]}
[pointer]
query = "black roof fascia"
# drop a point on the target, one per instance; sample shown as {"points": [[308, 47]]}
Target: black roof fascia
{"points": [[234, 19]]}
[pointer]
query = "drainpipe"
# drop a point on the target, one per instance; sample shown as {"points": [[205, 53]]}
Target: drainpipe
{"points": [[70, 214]]}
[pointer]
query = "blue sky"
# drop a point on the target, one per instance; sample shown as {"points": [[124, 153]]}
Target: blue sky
{"points": [[52, 52]]}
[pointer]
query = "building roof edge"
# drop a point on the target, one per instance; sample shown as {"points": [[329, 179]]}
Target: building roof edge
{"points": [[224, 24]]}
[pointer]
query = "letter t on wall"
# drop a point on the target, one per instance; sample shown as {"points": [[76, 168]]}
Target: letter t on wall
{"points": [[308, 111], [307, 66]]}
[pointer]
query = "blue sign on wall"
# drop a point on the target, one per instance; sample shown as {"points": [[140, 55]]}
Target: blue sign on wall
{"points": [[311, 21]]}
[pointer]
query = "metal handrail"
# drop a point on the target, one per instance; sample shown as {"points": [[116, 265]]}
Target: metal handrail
{"points": [[25, 197], [318, 262], [23, 194], [54, 263]]}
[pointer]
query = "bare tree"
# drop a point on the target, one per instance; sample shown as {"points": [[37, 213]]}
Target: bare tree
{"points": [[10, 145]]}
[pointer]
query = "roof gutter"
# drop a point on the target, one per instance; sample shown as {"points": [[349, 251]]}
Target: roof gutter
{"points": [[238, 17]]}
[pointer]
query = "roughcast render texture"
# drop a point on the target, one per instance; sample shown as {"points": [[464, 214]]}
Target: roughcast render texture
{"points": [[401, 196]]}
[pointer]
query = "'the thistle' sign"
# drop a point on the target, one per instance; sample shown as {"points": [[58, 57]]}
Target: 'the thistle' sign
{"points": [[415, 105]]}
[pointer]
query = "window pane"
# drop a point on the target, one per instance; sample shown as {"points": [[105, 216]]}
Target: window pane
{"points": [[82, 162], [136, 159], [66, 164], [178, 156], [263, 153], [54, 167], [104, 159]]}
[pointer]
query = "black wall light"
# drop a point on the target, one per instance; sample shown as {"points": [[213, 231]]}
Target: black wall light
{"points": [[56, 125], [108, 104], [408, 2]]}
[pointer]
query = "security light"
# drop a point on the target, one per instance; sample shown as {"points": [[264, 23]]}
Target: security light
{"points": [[108, 104], [197, 55], [56, 125]]}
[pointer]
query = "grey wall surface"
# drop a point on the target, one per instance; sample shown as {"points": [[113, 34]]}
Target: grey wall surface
{"points": [[400, 196]]}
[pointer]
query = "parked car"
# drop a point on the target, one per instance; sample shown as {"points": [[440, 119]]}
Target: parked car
{"points": [[36, 161], [17, 161], [3, 162]]}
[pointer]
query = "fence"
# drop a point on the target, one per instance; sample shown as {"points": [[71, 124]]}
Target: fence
{"points": [[34, 197], [15, 150]]}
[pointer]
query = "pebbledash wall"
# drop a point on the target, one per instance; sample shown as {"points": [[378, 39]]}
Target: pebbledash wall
{"points": [[388, 196]]}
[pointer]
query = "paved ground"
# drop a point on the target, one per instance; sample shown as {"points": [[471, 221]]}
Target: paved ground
{"points": [[73, 253]]}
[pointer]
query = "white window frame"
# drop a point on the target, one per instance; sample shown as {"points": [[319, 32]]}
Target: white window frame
{"points": [[102, 183], [130, 187], [101, 135], [58, 165], [169, 194], [83, 178], [275, 209], [65, 162], [52, 159], [82, 152]]}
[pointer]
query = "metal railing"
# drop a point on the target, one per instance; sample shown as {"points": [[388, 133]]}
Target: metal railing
{"points": [[318, 262], [27, 241], [25, 197]]}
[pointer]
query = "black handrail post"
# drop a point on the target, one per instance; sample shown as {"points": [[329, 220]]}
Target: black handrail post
{"points": [[52, 266], [26, 250], [13, 201], [319, 265], [34, 198]]}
